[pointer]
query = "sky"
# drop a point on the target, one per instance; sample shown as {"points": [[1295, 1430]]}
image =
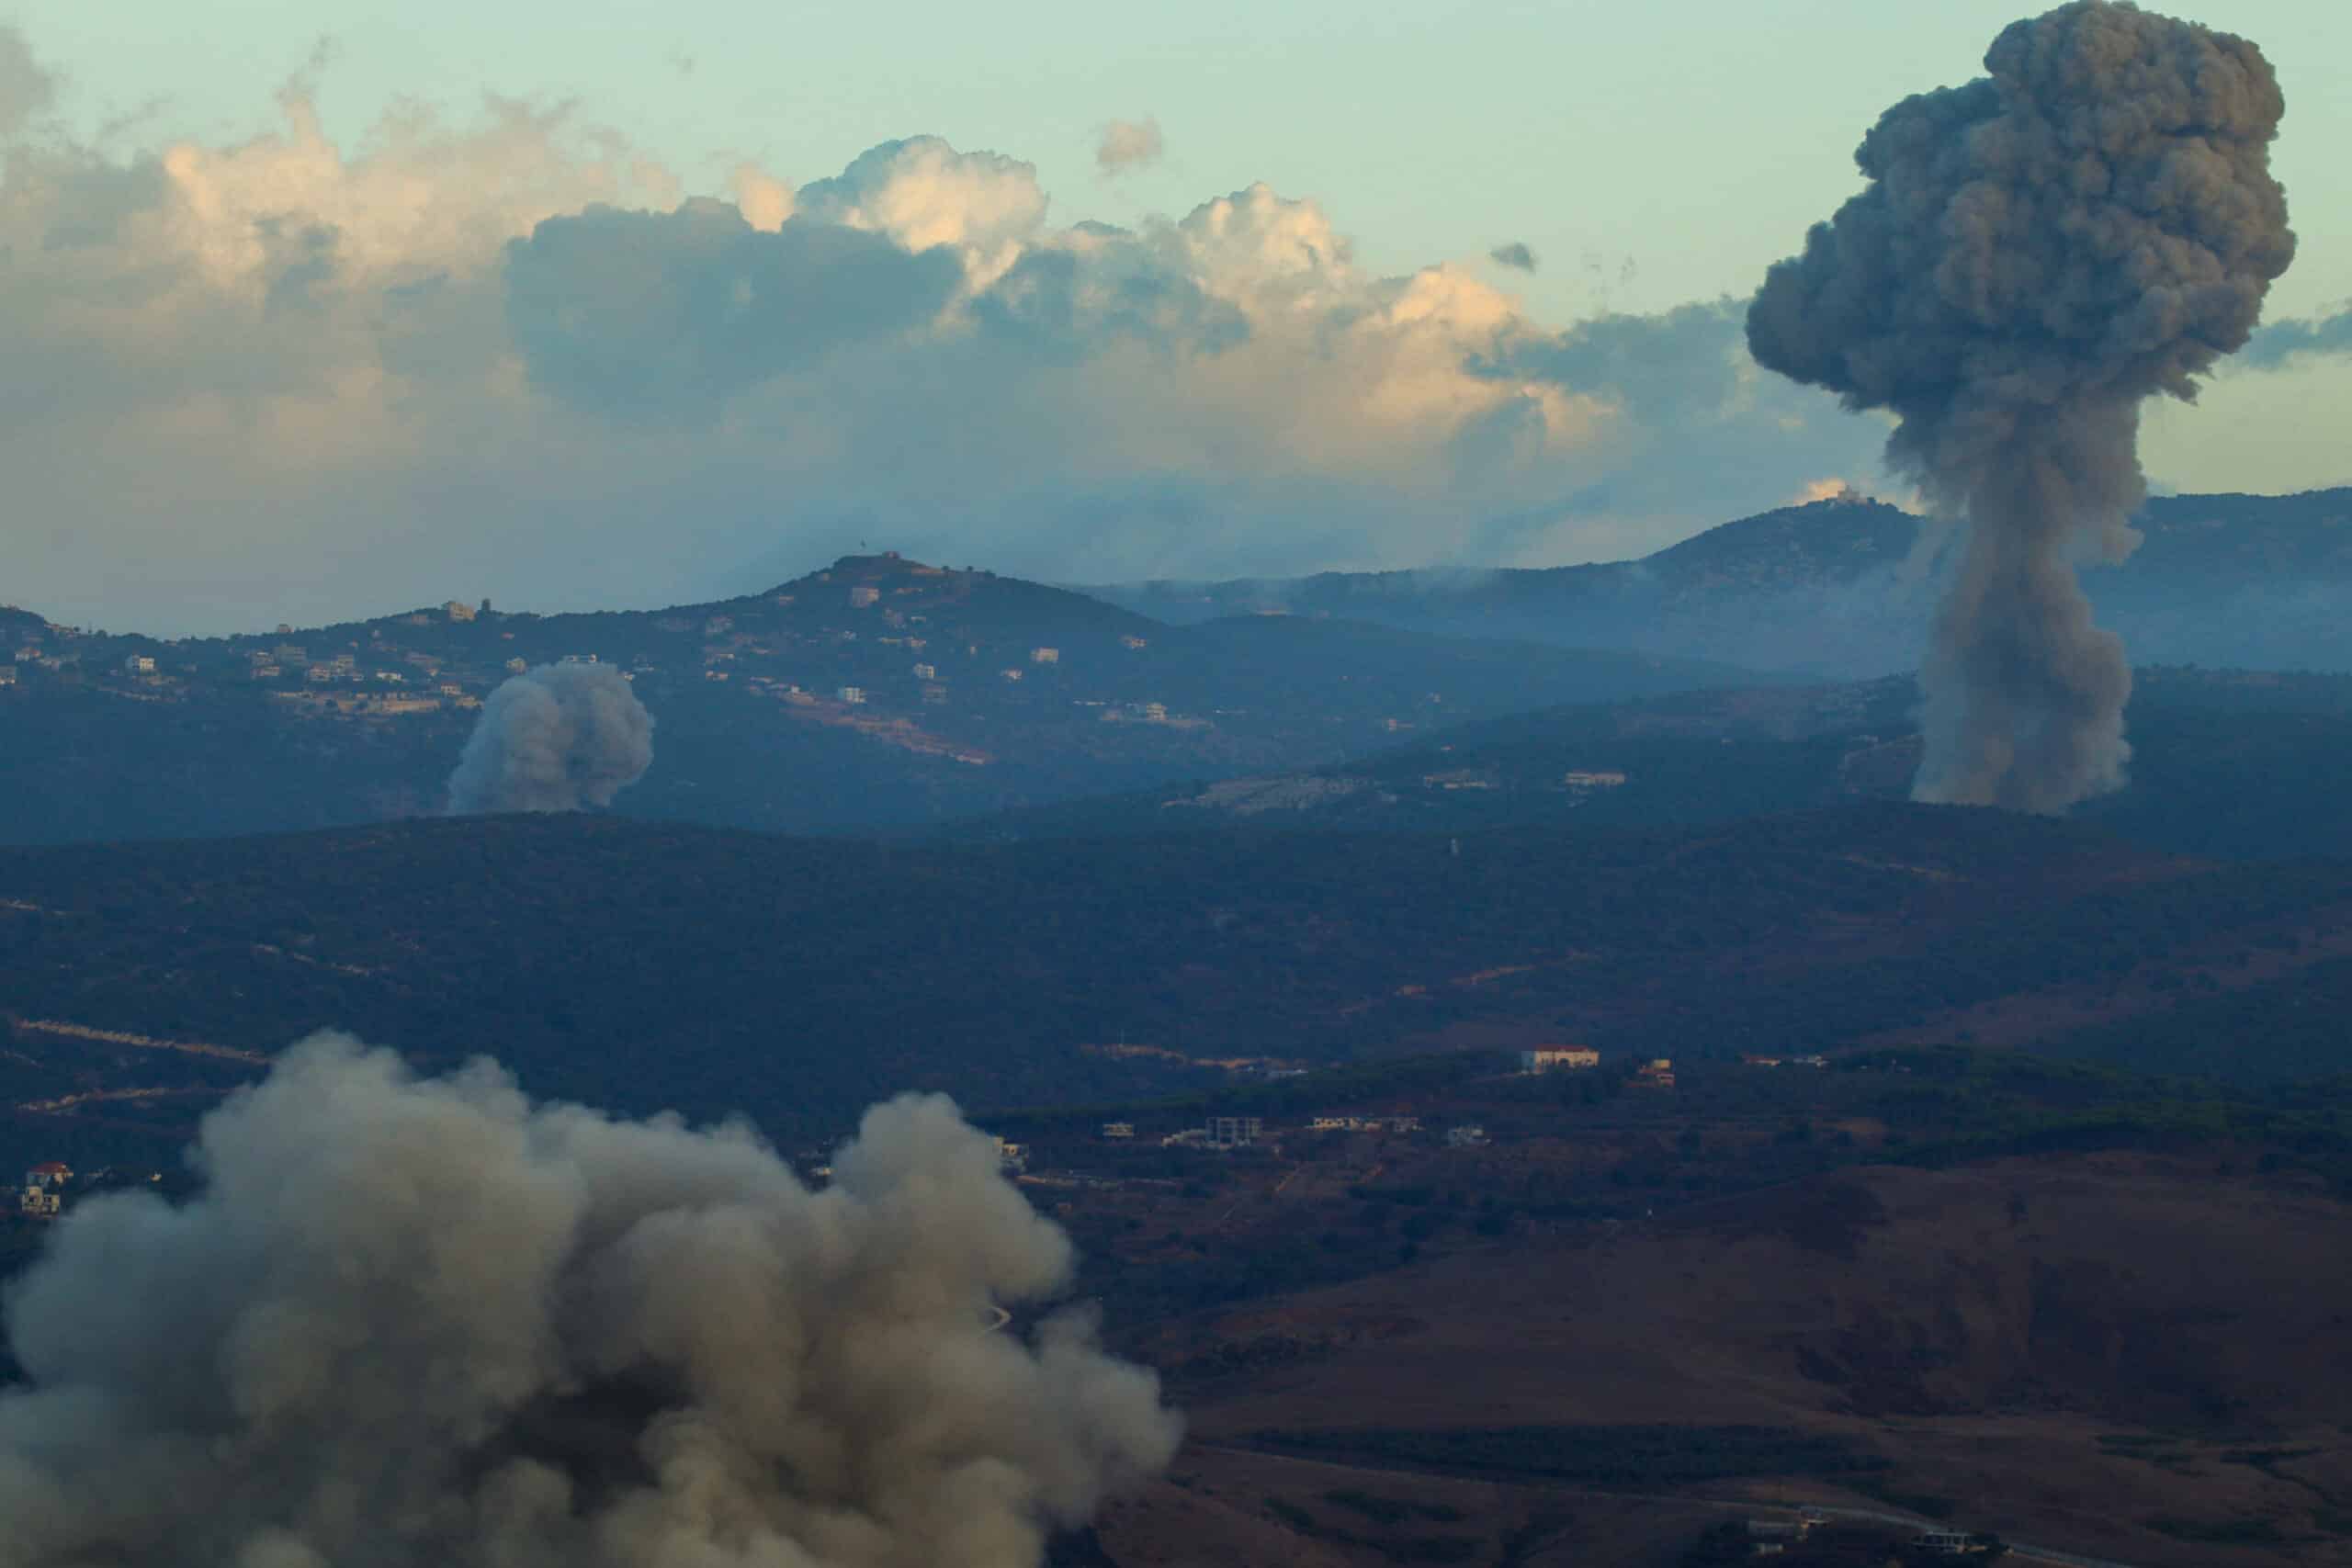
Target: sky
{"points": [[327, 310]]}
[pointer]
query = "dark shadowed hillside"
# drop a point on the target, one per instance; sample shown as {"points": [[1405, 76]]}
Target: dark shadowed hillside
{"points": [[796, 980], [2226, 763], [880, 694]]}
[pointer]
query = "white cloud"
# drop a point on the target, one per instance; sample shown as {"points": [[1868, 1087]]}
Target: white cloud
{"points": [[26, 89], [1127, 144], [281, 379]]}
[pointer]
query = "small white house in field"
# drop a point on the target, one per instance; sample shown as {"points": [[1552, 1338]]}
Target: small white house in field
{"points": [[1558, 1058]]}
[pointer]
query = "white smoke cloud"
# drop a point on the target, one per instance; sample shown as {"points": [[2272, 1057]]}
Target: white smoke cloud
{"points": [[1127, 144], [428, 369], [427, 1323], [554, 738]]}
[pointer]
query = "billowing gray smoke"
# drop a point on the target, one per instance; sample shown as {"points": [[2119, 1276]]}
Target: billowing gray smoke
{"points": [[2034, 254], [425, 1324], [554, 738]]}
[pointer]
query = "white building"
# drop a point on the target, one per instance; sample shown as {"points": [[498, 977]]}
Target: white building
{"points": [[138, 664], [926, 673], [852, 696], [45, 1184], [1233, 1131], [1469, 1135], [1118, 1131], [1045, 656], [1943, 1543], [1558, 1058]]}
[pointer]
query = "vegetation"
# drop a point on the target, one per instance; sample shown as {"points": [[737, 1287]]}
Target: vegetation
{"points": [[1628, 1457], [796, 980]]}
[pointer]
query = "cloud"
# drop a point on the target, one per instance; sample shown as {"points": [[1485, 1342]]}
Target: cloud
{"points": [[415, 1322], [923, 193], [506, 354], [2272, 347], [1516, 255], [665, 315], [26, 89], [1128, 144]]}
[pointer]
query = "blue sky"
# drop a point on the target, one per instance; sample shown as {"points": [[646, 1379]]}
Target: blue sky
{"points": [[1651, 157]]}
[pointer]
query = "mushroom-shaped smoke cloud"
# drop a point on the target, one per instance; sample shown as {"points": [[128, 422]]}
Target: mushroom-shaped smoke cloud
{"points": [[426, 1324], [2035, 254], [554, 738]]}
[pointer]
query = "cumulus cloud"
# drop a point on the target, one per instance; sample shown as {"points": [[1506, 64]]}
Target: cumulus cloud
{"points": [[26, 89], [292, 382], [427, 1322], [1515, 255], [1127, 144], [658, 315]]}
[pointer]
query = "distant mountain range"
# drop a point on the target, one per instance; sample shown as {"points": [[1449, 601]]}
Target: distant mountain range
{"points": [[886, 694], [1844, 587], [878, 694]]}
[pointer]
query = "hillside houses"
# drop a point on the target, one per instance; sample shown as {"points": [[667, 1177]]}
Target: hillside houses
{"points": [[43, 1192]]}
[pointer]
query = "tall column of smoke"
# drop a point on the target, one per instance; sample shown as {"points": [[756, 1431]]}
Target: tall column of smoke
{"points": [[554, 738], [426, 1324], [2035, 254]]}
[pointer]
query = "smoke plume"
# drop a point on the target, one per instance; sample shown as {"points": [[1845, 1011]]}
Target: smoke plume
{"points": [[554, 738], [2036, 253], [426, 1324]]}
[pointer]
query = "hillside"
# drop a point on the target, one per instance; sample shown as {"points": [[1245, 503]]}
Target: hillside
{"points": [[795, 980], [1836, 588], [881, 692], [2226, 763]]}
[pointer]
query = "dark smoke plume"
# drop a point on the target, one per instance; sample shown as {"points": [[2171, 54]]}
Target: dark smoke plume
{"points": [[2035, 254], [426, 1324], [554, 738]]}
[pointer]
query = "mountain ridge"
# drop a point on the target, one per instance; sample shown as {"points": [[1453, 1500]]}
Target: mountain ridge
{"points": [[1844, 587]]}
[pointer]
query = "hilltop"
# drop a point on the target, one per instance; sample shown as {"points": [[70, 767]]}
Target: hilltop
{"points": [[878, 692], [1844, 587]]}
